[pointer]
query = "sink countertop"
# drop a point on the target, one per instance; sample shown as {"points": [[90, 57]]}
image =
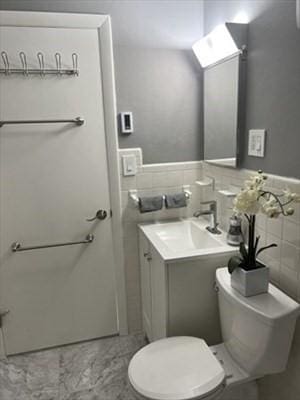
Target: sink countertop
{"points": [[185, 239]]}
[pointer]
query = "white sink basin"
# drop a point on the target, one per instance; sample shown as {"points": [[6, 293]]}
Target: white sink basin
{"points": [[186, 235], [185, 238]]}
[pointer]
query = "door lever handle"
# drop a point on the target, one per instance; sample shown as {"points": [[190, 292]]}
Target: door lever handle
{"points": [[100, 214]]}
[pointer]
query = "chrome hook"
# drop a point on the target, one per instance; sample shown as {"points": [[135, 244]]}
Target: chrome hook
{"points": [[24, 62], [5, 61], [100, 214], [58, 62], [75, 63], [40, 57]]}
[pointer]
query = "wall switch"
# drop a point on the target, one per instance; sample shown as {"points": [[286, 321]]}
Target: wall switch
{"points": [[126, 122], [129, 165], [256, 142]]}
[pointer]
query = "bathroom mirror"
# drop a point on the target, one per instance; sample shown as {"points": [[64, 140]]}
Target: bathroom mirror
{"points": [[223, 110]]}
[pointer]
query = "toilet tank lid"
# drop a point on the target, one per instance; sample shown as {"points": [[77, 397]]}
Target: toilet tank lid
{"points": [[270, 306]]}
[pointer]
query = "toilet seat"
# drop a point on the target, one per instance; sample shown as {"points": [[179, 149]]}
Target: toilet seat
{"points": [[176, 368]]}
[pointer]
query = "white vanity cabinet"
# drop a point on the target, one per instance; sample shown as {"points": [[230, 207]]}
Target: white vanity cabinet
{"points": [[178, 297]]}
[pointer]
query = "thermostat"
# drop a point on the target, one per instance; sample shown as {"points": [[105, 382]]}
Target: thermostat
{"points": [[126, 122], [256, 142]]}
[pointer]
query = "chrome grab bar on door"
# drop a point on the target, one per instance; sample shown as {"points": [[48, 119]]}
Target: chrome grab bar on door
{"points": [[16, 246], [77, 121]]}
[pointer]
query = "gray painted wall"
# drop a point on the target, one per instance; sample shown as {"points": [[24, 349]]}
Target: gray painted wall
{"points": [[163, 88], [157, 76], [273, 78]]}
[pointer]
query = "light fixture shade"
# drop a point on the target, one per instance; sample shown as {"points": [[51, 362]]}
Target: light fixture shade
{"points": [[215, 46]]}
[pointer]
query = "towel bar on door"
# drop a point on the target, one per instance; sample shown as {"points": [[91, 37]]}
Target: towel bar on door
{"points": [[77, 121], [16, 246]]}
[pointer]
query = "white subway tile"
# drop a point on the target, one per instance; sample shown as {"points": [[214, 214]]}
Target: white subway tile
{"points": [[144, 180], [289, 281], [273, 252], [290, 256], [274, 226], [128, 182], [291, 232], [167, 179], [191, 175]]}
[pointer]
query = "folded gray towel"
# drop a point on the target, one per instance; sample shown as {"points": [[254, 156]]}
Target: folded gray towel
{"points": [[148, 204], [175, 200]]}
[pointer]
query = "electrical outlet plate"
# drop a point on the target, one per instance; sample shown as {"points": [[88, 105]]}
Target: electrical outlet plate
{"points": [[256, 142]]}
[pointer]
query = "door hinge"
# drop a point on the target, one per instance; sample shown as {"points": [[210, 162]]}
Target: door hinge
{"points": [[2, 314]]}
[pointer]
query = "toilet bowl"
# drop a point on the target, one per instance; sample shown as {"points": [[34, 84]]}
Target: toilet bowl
{"points": [[257, 334], [187, 369]]}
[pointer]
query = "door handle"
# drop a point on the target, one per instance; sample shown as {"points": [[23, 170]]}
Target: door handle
{"points": [[100, 214]]}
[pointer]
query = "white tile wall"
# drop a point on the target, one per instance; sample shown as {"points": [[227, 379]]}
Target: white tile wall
{"points": [[284, 261]]}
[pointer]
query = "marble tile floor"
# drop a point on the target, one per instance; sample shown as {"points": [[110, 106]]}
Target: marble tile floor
{"points": [[95, 370]]}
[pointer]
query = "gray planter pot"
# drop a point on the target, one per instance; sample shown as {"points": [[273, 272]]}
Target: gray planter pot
{"points": [[250, 283]]}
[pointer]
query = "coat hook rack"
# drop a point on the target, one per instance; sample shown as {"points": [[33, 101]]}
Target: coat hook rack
{"points": [[41, 70]]}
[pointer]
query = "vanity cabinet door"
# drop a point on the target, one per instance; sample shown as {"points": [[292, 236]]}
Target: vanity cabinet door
{"points": [[145, 256], [154, 290], [192, 300], [159, 290]]}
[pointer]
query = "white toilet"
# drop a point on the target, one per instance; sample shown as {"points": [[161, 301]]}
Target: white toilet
{"points": [[257, 333]]}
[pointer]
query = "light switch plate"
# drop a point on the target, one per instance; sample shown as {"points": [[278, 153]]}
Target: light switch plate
{"points": [[256, 142], [129, 165]]}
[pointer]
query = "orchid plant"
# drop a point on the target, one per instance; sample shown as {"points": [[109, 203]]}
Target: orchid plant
{"points": [[254, 198]]}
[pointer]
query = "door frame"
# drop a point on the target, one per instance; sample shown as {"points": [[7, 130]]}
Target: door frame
{"points": [[103, 24]]}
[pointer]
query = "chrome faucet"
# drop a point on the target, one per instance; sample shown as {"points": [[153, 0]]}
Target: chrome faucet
{"points": [[213, 226]]}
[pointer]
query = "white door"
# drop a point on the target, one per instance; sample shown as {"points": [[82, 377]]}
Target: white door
{"points": [[54, 177]]}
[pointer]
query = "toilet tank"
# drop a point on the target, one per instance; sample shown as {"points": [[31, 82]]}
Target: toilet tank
{"points": [[257, 331]]}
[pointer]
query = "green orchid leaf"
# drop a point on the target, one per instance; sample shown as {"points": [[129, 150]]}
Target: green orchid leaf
{"points": [[265, 248], [234, 262], [244, 252]]}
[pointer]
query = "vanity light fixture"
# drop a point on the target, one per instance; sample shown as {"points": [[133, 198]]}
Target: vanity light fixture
{"points": [[241, 18], [224, 41]]}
